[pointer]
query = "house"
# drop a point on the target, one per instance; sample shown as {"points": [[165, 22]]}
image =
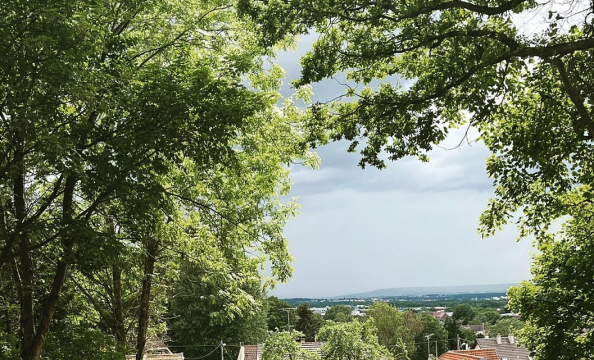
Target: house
{"points": [[441, 316], [254, 352], [507, 348], [512, 315], [480, 354], [478, 329], [320, 310], [155, 349]]}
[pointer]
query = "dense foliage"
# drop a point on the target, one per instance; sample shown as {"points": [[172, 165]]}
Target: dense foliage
{"points": [[308, 322], [528, 90], [351, 340], [143, 153], [144, 160], [281, 315]]}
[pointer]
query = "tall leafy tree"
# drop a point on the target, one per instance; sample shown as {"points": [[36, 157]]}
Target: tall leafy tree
{"points": [[556, 303], [471, 63], [431, 326], [198, 316], [286, 345], [464, 312], [351, 341], [396, 330], [115, 113], [277, 316], [307, 322]]}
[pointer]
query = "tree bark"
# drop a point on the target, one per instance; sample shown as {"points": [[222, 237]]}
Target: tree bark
{"points": [[118, 306], [25, 268], [33, 351], [5, 305], [145, 297]]}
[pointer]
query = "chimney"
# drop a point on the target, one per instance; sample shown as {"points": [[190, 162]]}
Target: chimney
{"points": [[498, 339], [512, 340]]}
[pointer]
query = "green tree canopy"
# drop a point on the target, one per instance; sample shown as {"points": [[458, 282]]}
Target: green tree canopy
{"points": [[278, 319], [308, 323], [444, 64], [339, 313], [464, 312], [351, 341], [138, 133], [556, 303], [198, 315], [282, 345], [396, 330], [485, 316], [430, 326], [455, 331], [505, 327]]}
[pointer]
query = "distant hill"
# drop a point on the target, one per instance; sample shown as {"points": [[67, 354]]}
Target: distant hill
{"points": [[440, 290]]}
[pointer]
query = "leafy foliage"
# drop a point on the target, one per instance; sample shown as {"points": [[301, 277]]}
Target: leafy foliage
{"points": [[556, 304], [440, 335], [308, 322], [443, 64], [137, 137], [395, 328], [505, 327], [339, 313], [464, 313], [286, 345], [351, 340], [277, 318]]}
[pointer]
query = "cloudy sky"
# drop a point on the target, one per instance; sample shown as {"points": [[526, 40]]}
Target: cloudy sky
{"points": [[412, 224]]}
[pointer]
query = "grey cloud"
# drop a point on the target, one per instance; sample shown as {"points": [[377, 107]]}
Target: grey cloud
{"points": [[462, 168]]}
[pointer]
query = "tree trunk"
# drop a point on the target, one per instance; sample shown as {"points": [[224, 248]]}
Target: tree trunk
{"points": [[145, 297], [33, 351], [25, 269], [118, 306], [3, 233], [5, 305]]}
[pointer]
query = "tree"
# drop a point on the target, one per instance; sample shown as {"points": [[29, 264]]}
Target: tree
{"points": [[308, 323], [528, 93], [286, 345], [467, 336], [554, 304], [504, 327], [440, 335], [395, 328], [339, 313], [464, 312], [198, 315], [279, 319], [137, 114], [351, 341], [485, 317], [455, 331]]}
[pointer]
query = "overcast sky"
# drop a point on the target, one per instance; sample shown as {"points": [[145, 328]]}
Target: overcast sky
{"points": [[412, 224]]}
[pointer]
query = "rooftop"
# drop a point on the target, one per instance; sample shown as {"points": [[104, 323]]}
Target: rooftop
{"points": [[508, 348], [481, 354]]}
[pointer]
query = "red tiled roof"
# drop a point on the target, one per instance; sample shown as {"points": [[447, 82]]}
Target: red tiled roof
{"points": [[454, 356], [488, 354], [252, 352]]}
